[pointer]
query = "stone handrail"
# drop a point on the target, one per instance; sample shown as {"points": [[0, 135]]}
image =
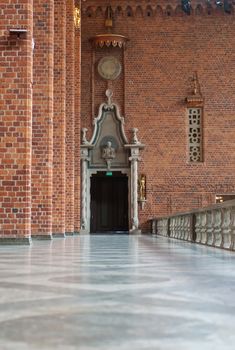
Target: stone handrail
{"points": [[213, 226]]}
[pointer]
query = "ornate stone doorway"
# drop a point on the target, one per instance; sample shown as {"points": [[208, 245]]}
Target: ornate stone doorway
{"points": [[109, 202], [109, 152]]}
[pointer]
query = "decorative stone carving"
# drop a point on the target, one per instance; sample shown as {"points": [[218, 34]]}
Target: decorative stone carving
{"points": [[195, 134], [109, 68], [195, 99], [109, 40], [84, 140], [108, 154], [109, 94], [134, 136]]}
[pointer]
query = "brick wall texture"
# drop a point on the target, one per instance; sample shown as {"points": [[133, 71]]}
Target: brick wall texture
{"points": [[166, 46], [51, 88]]}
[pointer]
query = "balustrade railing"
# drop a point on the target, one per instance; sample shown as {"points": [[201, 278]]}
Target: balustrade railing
{"points": [[213, 226]]}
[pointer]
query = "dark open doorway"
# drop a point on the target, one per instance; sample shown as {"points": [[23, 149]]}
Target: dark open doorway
{"points": [[109, 202]]}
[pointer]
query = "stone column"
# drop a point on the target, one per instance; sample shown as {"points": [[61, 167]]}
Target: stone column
{"points": [[84, 215], [135, 146], [134, 190]]}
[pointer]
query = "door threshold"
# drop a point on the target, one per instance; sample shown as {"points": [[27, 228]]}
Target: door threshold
{"points": [[110, 233]]}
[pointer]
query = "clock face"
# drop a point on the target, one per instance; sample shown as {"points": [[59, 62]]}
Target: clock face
{"points": [[109, 68]]}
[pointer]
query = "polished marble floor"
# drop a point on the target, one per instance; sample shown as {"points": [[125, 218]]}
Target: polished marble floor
{"points": [[116, 293]]}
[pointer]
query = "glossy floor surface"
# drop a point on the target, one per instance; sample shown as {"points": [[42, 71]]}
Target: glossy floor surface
{"points": [[116, 292]]}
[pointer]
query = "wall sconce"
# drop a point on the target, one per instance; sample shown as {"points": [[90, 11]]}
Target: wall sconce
{"points": [[77, 17], [142, 190]]}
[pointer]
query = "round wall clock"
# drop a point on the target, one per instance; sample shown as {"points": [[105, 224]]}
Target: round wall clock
{"points": [[109, 67]]}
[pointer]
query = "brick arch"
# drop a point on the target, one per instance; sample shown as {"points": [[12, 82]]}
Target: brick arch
{"points": [[118, 12], [169, 10], [210, 10], [139, 11], [199, 10], [149, 11], [232, 9], [129, 11], [159, 11], [99, 12], [179, 11], [89, 11]]}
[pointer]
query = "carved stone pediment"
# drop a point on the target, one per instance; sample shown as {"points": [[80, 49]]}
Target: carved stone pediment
{"points": [[108, 139]]}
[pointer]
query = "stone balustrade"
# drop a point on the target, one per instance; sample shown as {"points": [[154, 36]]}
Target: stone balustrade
{"points": [[213, 226]]}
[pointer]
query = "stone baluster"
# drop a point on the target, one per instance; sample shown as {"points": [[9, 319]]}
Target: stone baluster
{"points": [[181, 233], [232, 246], [159, 227], [171, 226], [218, 217], [209, 228], [178, 227], [187, 228], [191, 227], [203, 228], [198, 227], [174, 227], [166, 227], [154, 226], [226, 228], [182, 228]]}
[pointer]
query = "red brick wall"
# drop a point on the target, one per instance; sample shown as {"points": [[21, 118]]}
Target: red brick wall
{"points": [[42, 144], [15, 119], [166, 47], [59, 117]]}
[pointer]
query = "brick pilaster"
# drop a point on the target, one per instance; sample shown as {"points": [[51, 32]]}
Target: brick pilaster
{"points": [[42, 145], [70, 61], [15, 122], [77, 84], [59, 118]]}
